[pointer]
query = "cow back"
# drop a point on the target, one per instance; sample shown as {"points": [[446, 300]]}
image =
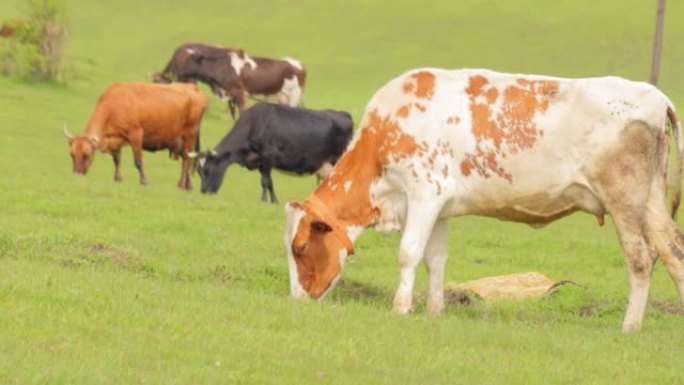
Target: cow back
{"points": [[293, 139], [164, 113]]}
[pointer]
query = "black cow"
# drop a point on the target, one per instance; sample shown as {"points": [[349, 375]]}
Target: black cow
{"points": [[274, 136], [233, 75]]}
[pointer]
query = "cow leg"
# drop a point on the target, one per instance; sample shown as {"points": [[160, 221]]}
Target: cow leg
{"points": [[237, 98], [185, 182], [116, 157], [420, 221], [639, 257], [660, 231], [139, 166], [136, 145], [435, 260], [669, 241], [267, 183], [630, 181], [662, 238]]}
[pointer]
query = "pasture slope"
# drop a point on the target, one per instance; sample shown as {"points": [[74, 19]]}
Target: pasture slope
{"points": [[114, 283]]}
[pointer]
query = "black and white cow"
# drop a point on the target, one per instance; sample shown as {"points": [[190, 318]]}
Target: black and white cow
{"points": [[274, 136], [233, 75]]}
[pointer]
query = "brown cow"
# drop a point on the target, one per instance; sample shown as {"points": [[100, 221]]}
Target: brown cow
{"points": [[233, 75], [147, 116]]}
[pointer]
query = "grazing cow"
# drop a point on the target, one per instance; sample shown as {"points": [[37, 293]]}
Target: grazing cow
{"points": [[435, 144], [273, 136], [147, 116], [233, 75]]}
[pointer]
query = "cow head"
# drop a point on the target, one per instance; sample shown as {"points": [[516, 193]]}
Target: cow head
{"points": [[211, 167], [82, 150], [316, 250], [188, 66]]}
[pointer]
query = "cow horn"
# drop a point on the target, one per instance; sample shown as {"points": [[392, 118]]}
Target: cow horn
{"points": [[213, 152], [67, 133], [192, 154]]}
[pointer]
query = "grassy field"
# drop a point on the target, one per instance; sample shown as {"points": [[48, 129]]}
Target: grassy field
{"points": [[114, 283]]}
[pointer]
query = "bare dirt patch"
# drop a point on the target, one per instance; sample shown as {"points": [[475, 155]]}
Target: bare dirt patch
{"points": [[668, 307], [99, 254]]}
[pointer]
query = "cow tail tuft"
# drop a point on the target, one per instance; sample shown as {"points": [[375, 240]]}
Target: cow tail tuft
{"points": [[676, 127]]}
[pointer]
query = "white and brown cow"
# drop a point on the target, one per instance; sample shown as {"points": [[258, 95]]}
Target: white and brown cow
{"points": [[436, 144], [233, 75]]}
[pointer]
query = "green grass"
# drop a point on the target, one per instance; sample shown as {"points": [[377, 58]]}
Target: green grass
{"points": [[104, 282]]}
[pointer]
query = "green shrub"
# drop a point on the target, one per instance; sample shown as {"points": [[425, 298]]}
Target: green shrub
{"points": [[22, 60], [34, 50]]}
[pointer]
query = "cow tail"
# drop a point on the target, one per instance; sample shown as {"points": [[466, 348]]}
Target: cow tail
{"points": [[676, 126]]}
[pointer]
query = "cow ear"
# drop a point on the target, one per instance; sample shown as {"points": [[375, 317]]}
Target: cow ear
{"points": [[300, 240], [291, 206], [210, 154], [320, 227]]}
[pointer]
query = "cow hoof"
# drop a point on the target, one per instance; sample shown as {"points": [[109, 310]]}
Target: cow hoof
{"points": [[631, 327], [402, 310], [402, 306], [435, 309]]}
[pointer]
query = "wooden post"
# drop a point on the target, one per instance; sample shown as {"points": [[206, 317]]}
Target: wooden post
{"points": [[657, 42]]}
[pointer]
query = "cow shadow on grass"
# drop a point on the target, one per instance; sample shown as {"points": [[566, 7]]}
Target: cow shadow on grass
{"points": [[354, 291]]}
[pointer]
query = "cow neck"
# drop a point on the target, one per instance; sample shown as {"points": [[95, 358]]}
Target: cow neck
{"points": [[351, 210], [347, 190], [324, 212], [342, 209], [94, 128], [345, 194]]}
